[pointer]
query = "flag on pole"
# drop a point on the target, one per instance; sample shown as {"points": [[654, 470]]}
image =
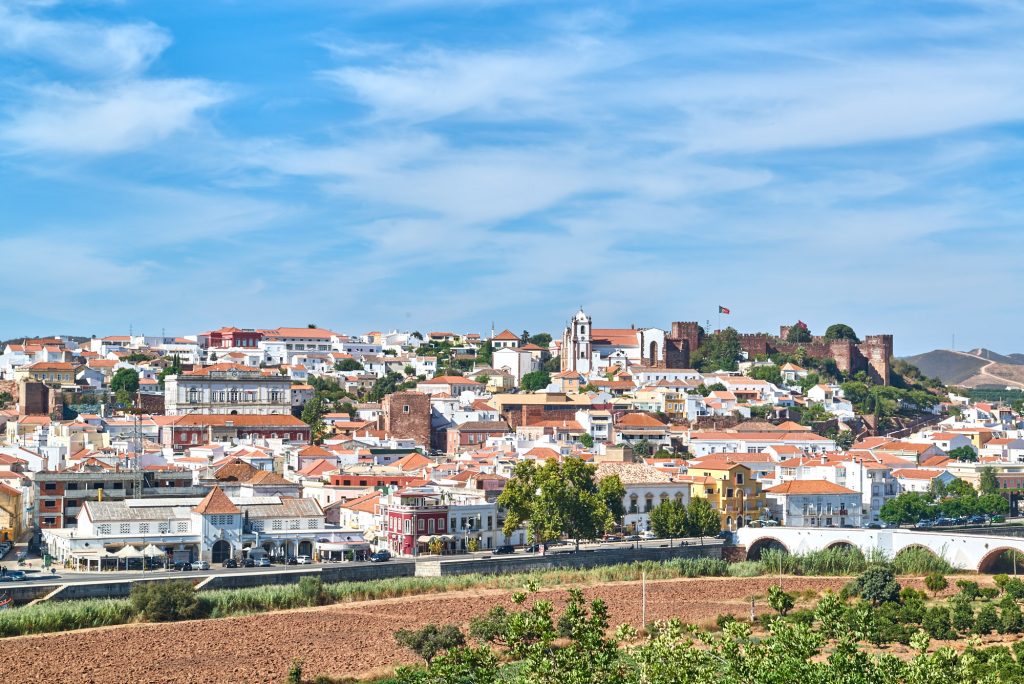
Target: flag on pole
{"points": [[722, 309]]}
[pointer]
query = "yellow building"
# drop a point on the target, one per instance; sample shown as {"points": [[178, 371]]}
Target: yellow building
{"points": [[50, 372], [730, 489], [10, 513]]}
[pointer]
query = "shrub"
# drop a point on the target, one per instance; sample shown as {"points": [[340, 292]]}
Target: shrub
{"points": [[311, 591], [969, 589], [912, 610], [1011, 620], [165, 601], [961, 613], [724, 619], [802, 617], [877, 584], [1014, 587], [1001, 580], [430, 640], [830, 612], [918, 561], [989, 593], [780, 601], [987, 620], [491, 627], [937, 623], [935, 582]]}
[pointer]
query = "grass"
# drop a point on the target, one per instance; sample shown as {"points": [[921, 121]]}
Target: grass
{"points": [[218, 603]]}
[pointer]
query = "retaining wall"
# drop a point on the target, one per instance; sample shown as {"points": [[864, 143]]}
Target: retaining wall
{"points": [[499, 565]]}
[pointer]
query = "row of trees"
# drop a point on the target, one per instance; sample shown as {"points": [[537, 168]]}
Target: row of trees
{"points": [[953, 500], [672, 519]]}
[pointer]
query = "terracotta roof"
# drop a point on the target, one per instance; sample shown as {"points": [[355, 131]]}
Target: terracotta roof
{"points": [[241, 420], [632, 473], [221, 368], [809, 487], [616, 337], [542, 453], [310, 333], [450, 380], [368, 503], [506, 335], [52, 366], [638, 420], [266, 477], [216, 503], [916, 473]]}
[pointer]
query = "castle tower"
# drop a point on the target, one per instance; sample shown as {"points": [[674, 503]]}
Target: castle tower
{"points": [[577, 343]]}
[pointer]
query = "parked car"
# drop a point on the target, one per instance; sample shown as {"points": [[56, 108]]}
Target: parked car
{"points": [[200, 565], [303, 560], [291, 560], [230, 563], [770, 523], [612, 538], [633, 537], [380, 556], [872, 526], [977, 520], [504, 549], [248, 562], [648, 535], [924, 524], [263, 562], [998, 518], [183, 567]]}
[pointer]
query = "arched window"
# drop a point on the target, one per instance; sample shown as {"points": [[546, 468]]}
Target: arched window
{"points": [[633, 504], [679, 497], [648, 503], [663, 498]]}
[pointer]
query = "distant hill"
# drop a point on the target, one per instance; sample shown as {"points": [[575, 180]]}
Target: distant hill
{"points": [[975, 368]]}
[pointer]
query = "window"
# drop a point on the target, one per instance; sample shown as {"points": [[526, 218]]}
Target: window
{"points": [[276, 525], [430, 526], [312, 523], [419, 524], [405, 408], [103, 529], [453, 527], [408, 526], [488, 522], [50, 486], [126, 528], [71, 485], [739, 478], [440, 525], [143, 528], [293, 524], [257, 525], [164, 528]]}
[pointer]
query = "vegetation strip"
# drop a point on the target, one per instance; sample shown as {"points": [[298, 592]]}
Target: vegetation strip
{"points": [[166, 601]]}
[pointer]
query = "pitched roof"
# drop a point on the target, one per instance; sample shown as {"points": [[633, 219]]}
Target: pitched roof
{"points": [[916, 473], [216, 503], [616, 337], [809, 487], [638, 420], [450, 380], [632, 473], [506, 335]]}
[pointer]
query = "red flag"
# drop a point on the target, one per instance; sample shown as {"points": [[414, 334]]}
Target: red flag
{"points": [[722, 309]]}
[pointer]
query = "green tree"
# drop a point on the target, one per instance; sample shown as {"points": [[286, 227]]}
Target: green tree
{"points": [[767, 373], [126, 379], [348, 365], [844, 440], [780, 601], [537, 380], [702, 520], [669, 519], [877, 584], [485, 354], [6, 399], [389, 384], [965, 453], [987, 620], [431, 640], [642, 448], [719, 351], [935, 582], [613, 492], [908, 507], [559, 498], [841, 331], [988, 484], [993, 504], [313, 416], [830, 614], [961, 613], [798, 333], [541, 340], [1011, 620], [174, 368], [586, 440], [937, 623]]}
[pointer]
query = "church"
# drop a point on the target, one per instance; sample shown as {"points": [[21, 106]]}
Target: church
{"points": [[589, 350]]}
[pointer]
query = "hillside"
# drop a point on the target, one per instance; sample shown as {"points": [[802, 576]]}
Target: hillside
{"points": [[975, 368]]}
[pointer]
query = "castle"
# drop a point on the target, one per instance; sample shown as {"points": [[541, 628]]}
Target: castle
{"points": [[586, 349]]}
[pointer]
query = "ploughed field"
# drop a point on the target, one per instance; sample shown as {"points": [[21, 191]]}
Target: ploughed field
{"points": [[342, 640]]}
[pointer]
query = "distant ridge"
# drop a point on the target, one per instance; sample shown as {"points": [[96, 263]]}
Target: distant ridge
{"points": [[976, 368]]}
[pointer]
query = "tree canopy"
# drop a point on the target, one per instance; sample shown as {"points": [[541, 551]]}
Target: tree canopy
{"points": [[841, 331], [347, 365], [313, 416], [614, 494], [537, 380], [669, 519], [799, 333], [126, 379], [718, 351], [557, 499]]}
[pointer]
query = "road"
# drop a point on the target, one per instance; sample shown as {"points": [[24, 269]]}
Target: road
{"points": [[43, 577], [996, 379]]}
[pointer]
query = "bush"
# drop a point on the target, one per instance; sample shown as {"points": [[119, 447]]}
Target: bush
{"points": [[1014, 588], [969, 589], [802, 617], [989, 593], [165, 601], [491, 627], [913, 609], [830, 613], [1011, 620], [918, 561], [935, 582], [961, 613], [780, 601], [311, 590], [938, 624], [431, 640], [877, 584], [987, 620], [724, 619]]}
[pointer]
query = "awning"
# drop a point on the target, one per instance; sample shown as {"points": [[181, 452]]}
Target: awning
{"points": [[151, 551], [342, 546], [129, 552], [425, 539]]}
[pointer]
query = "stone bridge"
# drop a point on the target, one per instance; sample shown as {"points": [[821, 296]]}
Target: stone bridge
{"points": [[965, 551]]}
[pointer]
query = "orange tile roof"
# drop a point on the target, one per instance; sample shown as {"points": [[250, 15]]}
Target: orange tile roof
{"points": [[809, 487], [506, 335], [638, 420], [216, 503]]}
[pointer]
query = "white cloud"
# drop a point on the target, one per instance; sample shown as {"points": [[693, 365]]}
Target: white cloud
{"points": [[108, 120], [85, 46]]}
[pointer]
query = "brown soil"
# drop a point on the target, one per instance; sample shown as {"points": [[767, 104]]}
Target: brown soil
{"points": [[341, 640]]}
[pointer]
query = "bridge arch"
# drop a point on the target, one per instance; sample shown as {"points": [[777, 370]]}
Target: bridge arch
{"points": [[990, 563], [843, 544], [761, 544]]}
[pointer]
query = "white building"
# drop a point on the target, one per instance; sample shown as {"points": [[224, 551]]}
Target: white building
{"points": [[646, 487], [227, 388], [814, 503]]}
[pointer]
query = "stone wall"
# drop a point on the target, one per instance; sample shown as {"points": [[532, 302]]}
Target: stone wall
{"points": [[500, 565], [406, 415]]}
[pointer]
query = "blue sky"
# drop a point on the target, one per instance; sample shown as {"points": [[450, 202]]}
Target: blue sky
{"points": [[419, 164]]}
